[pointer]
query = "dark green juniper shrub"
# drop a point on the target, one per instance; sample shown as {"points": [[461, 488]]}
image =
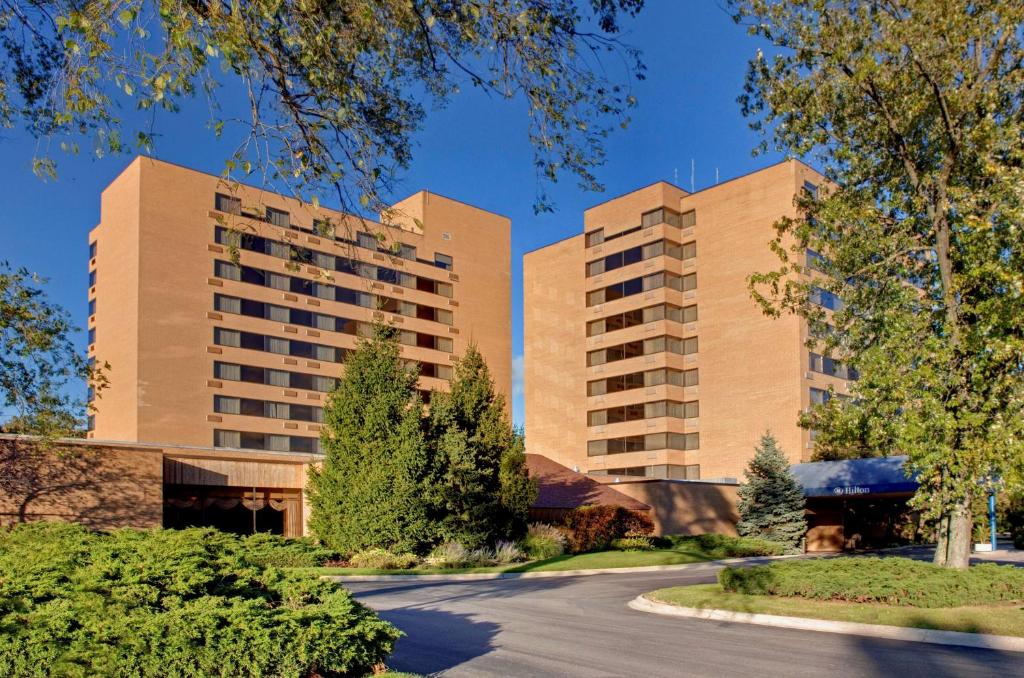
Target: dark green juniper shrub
{"points": [[726, 546], [893, 581], [270, 550], [168, 603]]}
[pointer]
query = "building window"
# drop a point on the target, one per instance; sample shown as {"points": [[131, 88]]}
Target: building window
{"points": [[92, 250], [831, 367], [264, 441], [811, 189], [643, 443], [90, 422], [366, 240], [223, 269], [688, 219], [825, 299], [92, 278], [594, 238], [662, 215], [816, 261], [443, 261], [92, 307], [278, 217], [227, 203], [226, 405], [819, 396], [92, 335]]}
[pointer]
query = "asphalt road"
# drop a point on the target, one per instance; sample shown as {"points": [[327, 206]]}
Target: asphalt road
{"points": [[580, 626]]}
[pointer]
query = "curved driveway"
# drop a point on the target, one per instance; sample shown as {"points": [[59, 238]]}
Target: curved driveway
{"points": [[580, 626]]}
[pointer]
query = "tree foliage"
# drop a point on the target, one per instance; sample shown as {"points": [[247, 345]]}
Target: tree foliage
{"points": [[369, 491], [479, 487], [771, 501], [38, 360], [914, 111], [158, 603], [329, 94]]}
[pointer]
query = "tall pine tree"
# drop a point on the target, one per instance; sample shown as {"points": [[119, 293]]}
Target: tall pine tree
{"points": [[771, 501], [479, 488], [369, 491]]}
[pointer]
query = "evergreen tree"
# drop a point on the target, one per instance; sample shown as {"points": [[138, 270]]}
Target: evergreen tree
{"points": [[369, 491], [479, 488], [771, 501]]}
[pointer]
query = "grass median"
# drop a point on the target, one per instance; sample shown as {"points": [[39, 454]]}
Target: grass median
{"points": [[889, 591]]}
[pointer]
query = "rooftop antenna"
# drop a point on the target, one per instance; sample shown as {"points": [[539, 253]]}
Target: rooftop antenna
{"points": [[675, 176], [693, 169], [716, 175]]}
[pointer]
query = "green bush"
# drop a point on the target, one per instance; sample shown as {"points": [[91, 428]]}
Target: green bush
{"points": [[633, 544], [74, 602], [269, 550], [592, 528], [726, 546], [382, 559], [544, 541], [893, 581]]}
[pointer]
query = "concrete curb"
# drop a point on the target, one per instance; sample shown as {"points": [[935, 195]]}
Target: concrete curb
{"points": [[975, 640], [485, 576]]}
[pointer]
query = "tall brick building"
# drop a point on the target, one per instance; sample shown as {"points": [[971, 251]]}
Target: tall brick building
{"points": [[645, 355], [208, 352]]}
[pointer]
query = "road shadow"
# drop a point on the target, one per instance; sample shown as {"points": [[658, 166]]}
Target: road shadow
{"points": [[936, 661], [437, 641]]}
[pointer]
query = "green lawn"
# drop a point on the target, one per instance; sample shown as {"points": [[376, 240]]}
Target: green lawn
{"points": [[669, 556], [1003, 619]]}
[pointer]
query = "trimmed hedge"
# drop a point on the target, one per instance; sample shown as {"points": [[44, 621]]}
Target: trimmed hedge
{"points": [[892, 581], [593, 528], [725, 546], [169, 603], [269, 550]]}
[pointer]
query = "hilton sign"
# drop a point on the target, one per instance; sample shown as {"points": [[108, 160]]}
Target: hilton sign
{"points": [[851, 490]]}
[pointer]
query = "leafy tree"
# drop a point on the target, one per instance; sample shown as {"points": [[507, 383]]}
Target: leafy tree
{"points": [[38, 359], [369, 491], [913, 109], [771, 501], [479, 487], [326, 95]]}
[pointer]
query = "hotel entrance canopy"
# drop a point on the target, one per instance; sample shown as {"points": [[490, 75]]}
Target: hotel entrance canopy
{"points": [[855, 477]]}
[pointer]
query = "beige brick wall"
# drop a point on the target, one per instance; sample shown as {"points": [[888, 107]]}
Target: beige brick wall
{"points": [[155, 299], [753, 369]]}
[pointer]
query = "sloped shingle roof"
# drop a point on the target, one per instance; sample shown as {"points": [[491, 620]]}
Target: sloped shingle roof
{"points": [[559, 487]]}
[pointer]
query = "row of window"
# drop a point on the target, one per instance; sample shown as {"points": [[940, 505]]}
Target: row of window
{"points": [[233, 205], [641, 253], [632, 349], [628, 382], [646, 283], [321, 321], [305, 349], [644, 443], [330, 262], [272, 377], [831, 367], [662, 215], [619, 321], [640, 411], [267, 408], [664, 471], [296, 285], [264, 441], [820, 396]]}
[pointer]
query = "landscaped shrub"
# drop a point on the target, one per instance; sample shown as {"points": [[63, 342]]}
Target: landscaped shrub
{"points": [[382, 559], [270, 550], [633, 544], [171, 603], [726, 546], [544, 541], [592, 528], [893, 581], [507, 552]]}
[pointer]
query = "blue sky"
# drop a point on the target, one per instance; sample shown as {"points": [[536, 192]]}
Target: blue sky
{"points": [[475, 150]]}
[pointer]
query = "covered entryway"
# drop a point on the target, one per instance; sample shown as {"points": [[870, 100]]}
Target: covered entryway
{"points": [[232, 509], [856, 503]]}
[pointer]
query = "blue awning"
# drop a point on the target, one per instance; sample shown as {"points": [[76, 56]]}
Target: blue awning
{"points": [[854, 477]]}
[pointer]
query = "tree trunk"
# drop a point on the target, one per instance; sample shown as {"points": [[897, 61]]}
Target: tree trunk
{"points": [[955, 531]]}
